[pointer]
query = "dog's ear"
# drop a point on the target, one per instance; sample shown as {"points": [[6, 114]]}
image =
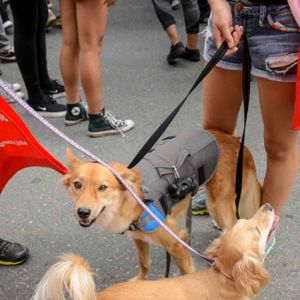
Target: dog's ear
{"points": [[250, 276], [73, 161], [130, 176]]}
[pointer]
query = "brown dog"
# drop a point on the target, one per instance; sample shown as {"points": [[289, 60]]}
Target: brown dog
{"points": [[237, 274], [99, 197]]}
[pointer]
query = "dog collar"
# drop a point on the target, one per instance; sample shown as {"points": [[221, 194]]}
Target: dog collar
{"points": [[145, 222]]}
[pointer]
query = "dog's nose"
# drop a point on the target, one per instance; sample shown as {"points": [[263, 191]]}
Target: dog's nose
{"points": [[268, 206], [83, 212]]}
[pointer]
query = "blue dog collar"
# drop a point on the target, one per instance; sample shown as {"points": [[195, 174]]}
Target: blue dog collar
{"points": [[146, 222]]}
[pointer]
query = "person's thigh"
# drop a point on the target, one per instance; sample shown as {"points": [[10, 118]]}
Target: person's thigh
{"points": [[277, 107], [222, 96], [69, 22], [91, 20]]}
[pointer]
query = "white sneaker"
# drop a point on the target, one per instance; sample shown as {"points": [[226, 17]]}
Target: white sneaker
{"points": [[14, 86]]}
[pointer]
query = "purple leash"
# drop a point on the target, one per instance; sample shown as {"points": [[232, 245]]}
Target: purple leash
{"points": [[10, 94]]}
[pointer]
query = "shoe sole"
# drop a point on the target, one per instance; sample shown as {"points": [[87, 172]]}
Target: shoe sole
{"points": [[7, 60], [109, 132], [59, 114], [200, 212], [15, 263], [59, 95], [70, 123]]}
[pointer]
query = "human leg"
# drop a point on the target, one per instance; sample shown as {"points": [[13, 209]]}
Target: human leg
{"points": [[91, 33], [69, 55], [281, 143]]}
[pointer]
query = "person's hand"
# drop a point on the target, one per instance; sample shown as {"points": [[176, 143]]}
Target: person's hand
{"points": [[110, 2], [222, 27]]}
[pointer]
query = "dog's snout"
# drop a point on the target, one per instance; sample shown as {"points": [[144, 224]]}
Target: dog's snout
{"points": [[83, 212]]}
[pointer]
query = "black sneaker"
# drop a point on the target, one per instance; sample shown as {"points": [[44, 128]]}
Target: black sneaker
{"points": [[106, 123], [8, 56], [49, 108], [57, 90], [12, 253], [192, 55], [175, 52], [76, 113]]}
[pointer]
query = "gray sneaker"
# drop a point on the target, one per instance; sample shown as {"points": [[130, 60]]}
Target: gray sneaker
{"points": [[106, 123], [199, 203]]}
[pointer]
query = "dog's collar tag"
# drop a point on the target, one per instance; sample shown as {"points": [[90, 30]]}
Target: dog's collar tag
{"points": [[146, 222]]}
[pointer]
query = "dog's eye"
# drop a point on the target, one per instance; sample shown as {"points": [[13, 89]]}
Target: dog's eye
{"points": [[77, 185], [102, 187]]}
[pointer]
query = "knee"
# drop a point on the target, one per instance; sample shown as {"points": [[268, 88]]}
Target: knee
{"points": [[90, 43], [281, 150]]}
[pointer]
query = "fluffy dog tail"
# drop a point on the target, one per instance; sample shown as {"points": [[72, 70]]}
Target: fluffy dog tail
{"points": [[71, 274]]}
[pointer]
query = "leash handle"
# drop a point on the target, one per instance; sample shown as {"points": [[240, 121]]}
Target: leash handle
{"points": [[161, 129]]}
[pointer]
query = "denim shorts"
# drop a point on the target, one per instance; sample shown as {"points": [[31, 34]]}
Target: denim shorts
{"points": [[273, 37]]}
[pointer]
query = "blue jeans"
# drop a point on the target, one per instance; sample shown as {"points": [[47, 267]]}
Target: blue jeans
{"points": [[273, 37]]}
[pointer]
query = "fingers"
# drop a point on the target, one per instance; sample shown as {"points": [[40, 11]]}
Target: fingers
{"points": [[236, 36]]}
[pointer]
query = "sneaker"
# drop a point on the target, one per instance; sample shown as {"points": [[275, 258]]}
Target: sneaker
{"points": [[51, 18], [12, 100], [8, 56], [175, 52], [57, 90], [192, 55], [175, 4], [199, 203], [76, 113], [8, 24], [106, 123], [12, 253], [49, 108]]}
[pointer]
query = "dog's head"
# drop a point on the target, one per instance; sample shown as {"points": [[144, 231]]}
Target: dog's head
{"points": [[239, 251], [97, 193]]}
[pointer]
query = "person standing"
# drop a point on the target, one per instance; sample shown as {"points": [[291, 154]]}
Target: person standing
{"points": [[83, 26], [30, 19], [163, 10]]}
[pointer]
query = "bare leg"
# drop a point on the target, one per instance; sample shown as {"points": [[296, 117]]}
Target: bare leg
{"points": [[69, 55], [221, 105], [192, 41], [277, 104], [91, 20], [173, 34]]}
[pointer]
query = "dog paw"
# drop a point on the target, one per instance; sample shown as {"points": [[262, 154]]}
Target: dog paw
{"points": [[136, 278]]}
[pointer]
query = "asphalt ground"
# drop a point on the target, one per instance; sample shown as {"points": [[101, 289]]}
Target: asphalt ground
{"points": [[36, 211]]}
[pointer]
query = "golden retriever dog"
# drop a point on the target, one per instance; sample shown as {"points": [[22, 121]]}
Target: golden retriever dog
{"points": [[237, 274], [100, 198]]}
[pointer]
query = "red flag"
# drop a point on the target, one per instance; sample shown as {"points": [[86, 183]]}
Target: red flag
{"points": [[296, 121], [18, 147]]}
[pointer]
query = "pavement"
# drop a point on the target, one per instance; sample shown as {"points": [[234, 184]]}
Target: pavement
{"points": [[36, 211]]}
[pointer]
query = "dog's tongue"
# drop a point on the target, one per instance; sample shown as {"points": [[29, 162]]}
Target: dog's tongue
{"points": [[275, 222]]}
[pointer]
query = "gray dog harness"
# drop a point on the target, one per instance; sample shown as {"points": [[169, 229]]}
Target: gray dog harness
{"points": [[176, 166]]}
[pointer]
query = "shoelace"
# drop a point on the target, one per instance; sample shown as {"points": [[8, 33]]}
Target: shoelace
{"points": [[4, 245], [114, 122]]}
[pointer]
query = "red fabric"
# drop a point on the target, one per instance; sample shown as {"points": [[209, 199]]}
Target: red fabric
{"points": [[296, 121], [18, 147]]}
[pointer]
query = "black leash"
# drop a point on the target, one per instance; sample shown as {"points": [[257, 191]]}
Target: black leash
{"points": [[246, 97], [161, 129]]}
